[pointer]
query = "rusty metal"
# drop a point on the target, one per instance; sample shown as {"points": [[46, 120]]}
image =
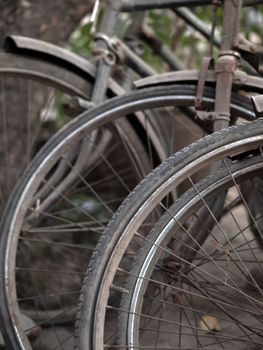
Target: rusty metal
{"points": [[207, 63], [104, 69], [186, 76], [231, 19], [225, 68], [119, 52], [110, 54], [49, 52], [142, 5], [216, 4], [110, 42], [251, 53], [227, 63], [240, 80], [107, 56]]}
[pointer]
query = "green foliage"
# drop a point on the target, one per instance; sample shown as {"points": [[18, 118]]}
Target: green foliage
{"points": [[252, 21], [61, 117], [81, 39], [191, 46], [162, 24]]}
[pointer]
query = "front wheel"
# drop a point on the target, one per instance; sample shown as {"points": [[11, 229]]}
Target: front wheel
{"points": [[185, 290]]}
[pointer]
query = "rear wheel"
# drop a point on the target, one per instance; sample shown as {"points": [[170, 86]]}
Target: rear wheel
{"points": [[36, 99]]}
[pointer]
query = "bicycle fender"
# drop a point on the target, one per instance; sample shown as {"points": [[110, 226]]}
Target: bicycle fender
{"points": [[241, 80], [20, 44], [54, 54]]}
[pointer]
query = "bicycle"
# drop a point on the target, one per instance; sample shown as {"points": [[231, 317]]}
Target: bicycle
{"points": [[186, 258], [53, 67], [47, 67], [39, 196], [23, 62]]}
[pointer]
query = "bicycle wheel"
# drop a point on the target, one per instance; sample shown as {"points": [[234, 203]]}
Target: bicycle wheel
{"points": [[38, 98], [230, 254], [44, 96], [50, 227], [187, 294]]}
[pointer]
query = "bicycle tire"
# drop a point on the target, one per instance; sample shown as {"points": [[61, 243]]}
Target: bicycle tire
{"points": [[121, 231], [31, 73], [31, 79], [52, 74], [15, 215], [196, 315], [23, 71]]}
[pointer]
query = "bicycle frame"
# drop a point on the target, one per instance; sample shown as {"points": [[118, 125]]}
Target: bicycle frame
{"points": [[227, 63], [225, 68], [110, 48], [141, 5], [107, 50], [113, 48]]}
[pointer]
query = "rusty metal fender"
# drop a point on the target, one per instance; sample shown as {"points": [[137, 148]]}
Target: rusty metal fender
{"points": [[54, 54], [51, 52], [242, 81]]}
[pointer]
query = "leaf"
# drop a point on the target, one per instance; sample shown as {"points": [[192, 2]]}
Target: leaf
{"points": [[209, 324]]}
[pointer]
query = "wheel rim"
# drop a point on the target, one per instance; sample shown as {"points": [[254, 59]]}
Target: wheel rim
{"points": [[133, 225], [23, 199], [211, 310]]}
